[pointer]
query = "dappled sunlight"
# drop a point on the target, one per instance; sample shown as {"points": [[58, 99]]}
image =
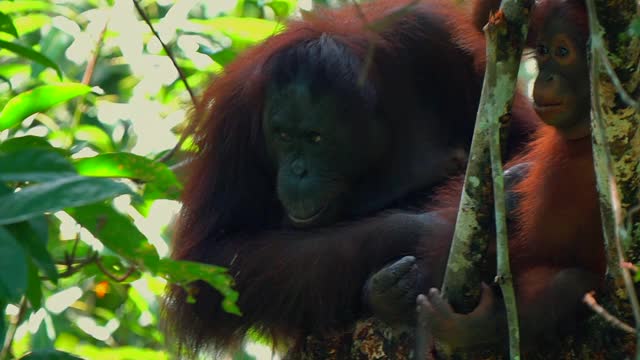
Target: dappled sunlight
{"points": [[60, 301]]}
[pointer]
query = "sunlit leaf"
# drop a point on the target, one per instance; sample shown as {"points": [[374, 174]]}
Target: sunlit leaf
{"points": [[94, 136], [13, 267], [160, 181], [57, 195], [185, 272], [31, 22], [243, 32], [248, 8], [30, 54], [6, 25], [49, 355], [37, 100], [283, 8], [35, 165], [8, 7]]}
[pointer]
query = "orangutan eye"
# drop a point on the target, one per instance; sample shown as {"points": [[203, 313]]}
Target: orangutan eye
{"points": [[562, 51], [542, 50]]}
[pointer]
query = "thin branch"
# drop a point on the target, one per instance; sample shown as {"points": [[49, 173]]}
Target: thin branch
{"points": [[13, 327], [183, 78], [88, 74], [166, 49], [111, 276], [591, 302], [75, 267], [615, 80], [91, 64]]}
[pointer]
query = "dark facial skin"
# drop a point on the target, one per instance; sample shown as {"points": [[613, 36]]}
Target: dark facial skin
{"points": [[320, 151], [561, 90]]}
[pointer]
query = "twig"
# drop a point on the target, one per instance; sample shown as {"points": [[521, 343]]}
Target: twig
{"points": [[183, 78], [591, 302], [624, 95], [74, 268], [91, 64], [88, 74], [111, 276], [166, 49], [13, 327]]}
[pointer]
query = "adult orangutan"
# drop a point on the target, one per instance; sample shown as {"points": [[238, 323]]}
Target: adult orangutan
{"points": [[317, 151]]}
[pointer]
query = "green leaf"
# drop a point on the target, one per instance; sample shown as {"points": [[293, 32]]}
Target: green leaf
{"points": [[160, 181], [243, 32], [6, 25], [94, 136], [117, 232], [57, 195], [50, 355], [34, 287], [30, 54], [36, 165], [31, 22], [185, 272], [13, 268], [24, 6], [26, 142], [283, 8], [37, 100], [33, 236]]}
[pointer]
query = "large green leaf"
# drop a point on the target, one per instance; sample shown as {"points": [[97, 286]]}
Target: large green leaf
{"points": [[35, 165], [13, 268], [6, 25], [117, 232], [49, 355], [30, 54], [39, 99], [160, 181], [57, 195]]}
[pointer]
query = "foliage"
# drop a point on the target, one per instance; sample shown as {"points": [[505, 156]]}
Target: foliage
{"points": [[90, 106]]}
